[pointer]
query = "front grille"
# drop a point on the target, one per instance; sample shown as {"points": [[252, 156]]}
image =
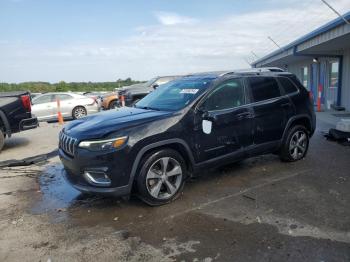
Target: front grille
{"points": [[67, 144]]}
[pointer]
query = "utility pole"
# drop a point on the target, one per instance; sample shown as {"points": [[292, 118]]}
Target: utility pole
{"points": [[335, 11], [273, 41]]}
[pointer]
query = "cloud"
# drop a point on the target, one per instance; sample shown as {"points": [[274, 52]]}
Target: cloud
{"points": [[166, 18], [176, 45]]}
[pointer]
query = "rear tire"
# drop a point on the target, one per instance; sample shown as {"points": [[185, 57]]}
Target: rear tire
{"points": [[295, 145], [79, 112], [2, 139], [161, 177]]}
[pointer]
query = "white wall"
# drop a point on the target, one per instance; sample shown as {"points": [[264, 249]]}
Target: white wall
{"points": [[295, 68]]}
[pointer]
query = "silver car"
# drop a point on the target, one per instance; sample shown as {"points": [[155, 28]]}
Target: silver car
{"points": [[71, 106]]}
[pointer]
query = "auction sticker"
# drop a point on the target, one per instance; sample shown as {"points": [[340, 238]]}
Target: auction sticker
{"points": [[189, 91]]}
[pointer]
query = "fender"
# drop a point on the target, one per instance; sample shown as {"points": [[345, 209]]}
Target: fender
{"points": [[6, 123], [291, 120], [141, 153]]}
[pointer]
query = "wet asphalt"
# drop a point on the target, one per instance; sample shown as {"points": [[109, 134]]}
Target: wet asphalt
{"points": [[257, 210]]}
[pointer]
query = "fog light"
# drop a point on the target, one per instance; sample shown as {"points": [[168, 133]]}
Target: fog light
{"points": [[97, 178]]}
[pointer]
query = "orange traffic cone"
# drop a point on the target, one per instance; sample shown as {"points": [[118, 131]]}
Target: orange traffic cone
{"points": [[59, 114]]}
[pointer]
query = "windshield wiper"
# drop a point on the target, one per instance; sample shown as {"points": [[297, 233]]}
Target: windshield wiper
{"points": [[148, 108]]}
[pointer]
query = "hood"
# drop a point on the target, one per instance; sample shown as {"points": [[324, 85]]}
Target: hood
{"points": [[101, 124]]}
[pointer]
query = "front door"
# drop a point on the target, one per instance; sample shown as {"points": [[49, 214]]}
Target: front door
{"points": [[224, 122]]}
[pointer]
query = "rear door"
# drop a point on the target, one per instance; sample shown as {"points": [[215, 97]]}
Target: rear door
{"points": [[224, 123], [270, 109], [66, 104]]}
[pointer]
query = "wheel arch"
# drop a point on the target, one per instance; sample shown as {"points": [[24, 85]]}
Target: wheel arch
{"points": [[303, 120], [75, 107], [176, 144], [5, 124]]}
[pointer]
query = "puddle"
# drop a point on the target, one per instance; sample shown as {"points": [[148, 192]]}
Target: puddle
{"points": [[63, 203], [58, 198], [55, 191]]}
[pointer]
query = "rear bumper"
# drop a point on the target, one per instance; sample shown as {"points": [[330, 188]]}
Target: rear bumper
{"points": [[92, 109], [29, 123]]}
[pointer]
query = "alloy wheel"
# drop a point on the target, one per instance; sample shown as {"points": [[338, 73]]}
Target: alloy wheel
{"points": [[298, 145], [79, 112], [164, 178]]}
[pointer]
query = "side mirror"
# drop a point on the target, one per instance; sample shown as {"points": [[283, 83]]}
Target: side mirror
{"points": [[155, 86]]}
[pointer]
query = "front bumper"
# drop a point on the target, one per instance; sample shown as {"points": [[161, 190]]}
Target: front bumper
{"points": [[112, 191], [29, 123], [113, 164]]}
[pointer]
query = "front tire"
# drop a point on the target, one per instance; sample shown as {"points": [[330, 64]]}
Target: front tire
{"points": [[296, 144], [161, 177], [79, 112]]}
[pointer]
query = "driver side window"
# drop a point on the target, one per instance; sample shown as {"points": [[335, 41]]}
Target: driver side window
{"points": [[227, 95]]}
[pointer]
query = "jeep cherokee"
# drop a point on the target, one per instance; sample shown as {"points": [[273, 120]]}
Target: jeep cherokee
{"points": [[195, 122]]}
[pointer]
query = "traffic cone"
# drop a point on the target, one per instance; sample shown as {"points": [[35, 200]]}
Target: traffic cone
{"points": [[59, 114]]}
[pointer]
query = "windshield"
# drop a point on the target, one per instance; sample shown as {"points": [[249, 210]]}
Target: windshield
{"points": [[174, 95]]}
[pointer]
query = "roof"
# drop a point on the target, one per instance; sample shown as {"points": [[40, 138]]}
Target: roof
{"points": [[330, 25], [249, 71]]}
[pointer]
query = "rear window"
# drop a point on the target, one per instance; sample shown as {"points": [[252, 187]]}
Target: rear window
{"points": [[263, 88], [288, 86]]}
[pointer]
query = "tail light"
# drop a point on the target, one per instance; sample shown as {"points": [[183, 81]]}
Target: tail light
{"points": [[26, 103]]}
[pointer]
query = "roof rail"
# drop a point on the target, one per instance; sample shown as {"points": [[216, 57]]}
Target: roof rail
{"points": [[254, 70]]}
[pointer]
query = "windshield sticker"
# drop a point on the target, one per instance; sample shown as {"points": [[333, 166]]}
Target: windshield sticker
{"points": [[189, 91]]}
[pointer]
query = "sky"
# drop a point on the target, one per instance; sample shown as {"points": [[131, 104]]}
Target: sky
{"points": [[104, 40]]}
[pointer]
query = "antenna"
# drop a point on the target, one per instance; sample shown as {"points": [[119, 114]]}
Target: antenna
{"points": [[255, 55], [335, 11], [273, 41]]}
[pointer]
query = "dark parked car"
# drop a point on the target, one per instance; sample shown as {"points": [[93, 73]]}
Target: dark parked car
{"points": [[192, 123], [15, 114], [136, 92]]}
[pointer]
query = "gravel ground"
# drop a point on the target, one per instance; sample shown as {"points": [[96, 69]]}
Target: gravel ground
{"points": [[258, 210]]}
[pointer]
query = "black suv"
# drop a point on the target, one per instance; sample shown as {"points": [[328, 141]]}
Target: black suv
{"points": [[195, 122]]}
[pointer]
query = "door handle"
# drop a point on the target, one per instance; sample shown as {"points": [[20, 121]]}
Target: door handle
{"points": [[244, 115], [286, 105]]}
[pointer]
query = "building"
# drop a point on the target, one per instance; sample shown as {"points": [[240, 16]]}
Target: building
{"points": [[321, 60]]}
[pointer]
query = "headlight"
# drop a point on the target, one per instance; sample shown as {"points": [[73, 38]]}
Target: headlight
{"points": [[99, 145]]}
